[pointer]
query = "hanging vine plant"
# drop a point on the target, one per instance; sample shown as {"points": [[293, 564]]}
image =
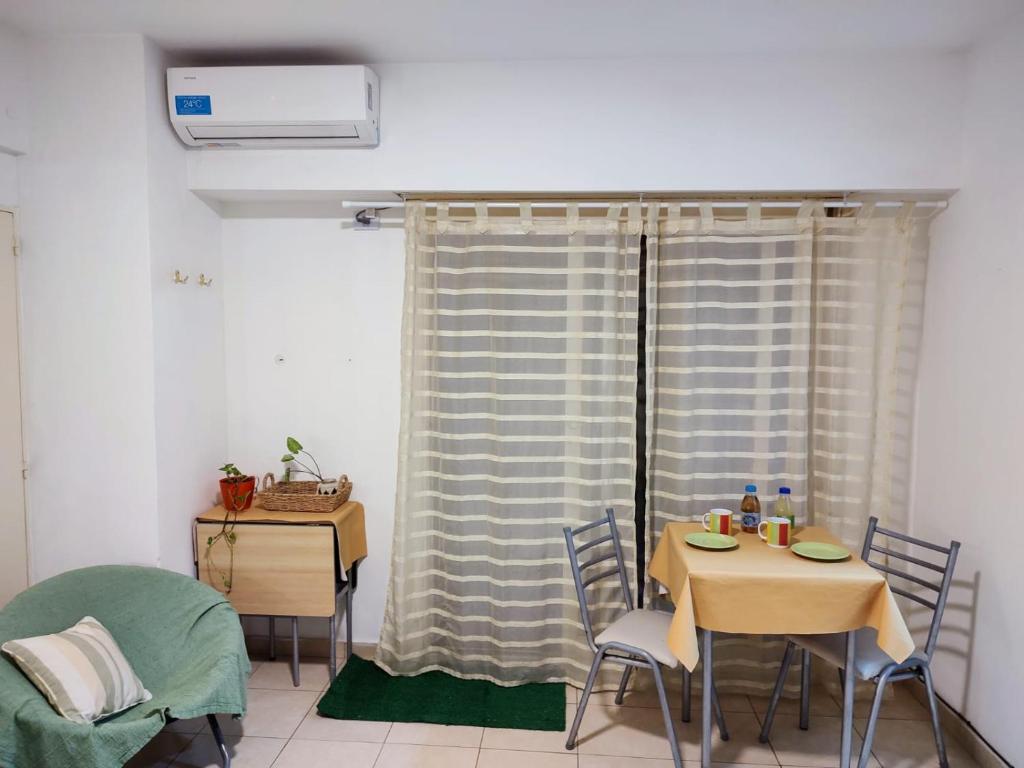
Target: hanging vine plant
{"points": [[236, 491]]}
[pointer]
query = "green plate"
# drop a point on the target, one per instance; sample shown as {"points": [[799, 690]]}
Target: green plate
{"points": [[705, 540], [819, 550]]}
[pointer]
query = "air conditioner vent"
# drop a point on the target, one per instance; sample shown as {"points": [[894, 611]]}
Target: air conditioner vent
{"points": [[242, 132]]}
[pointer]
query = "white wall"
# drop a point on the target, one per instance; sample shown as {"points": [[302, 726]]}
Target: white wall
{"points": [[970, 409], [8, 181], [188, 332], [710, 123], [783, 123], [87, 305], [13, 110], [330, 301], [124, 369]]}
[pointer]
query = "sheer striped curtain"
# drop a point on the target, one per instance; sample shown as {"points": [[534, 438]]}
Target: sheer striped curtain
{"points": [[868, 309], [781, 351], [518, 417]]}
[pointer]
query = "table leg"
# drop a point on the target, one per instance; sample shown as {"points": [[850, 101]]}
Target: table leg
{"points": [[705, 726], [805, 689], [295, 651], [272, 647], [348, 621], [332, 651], [849, 684], [687, 688]]}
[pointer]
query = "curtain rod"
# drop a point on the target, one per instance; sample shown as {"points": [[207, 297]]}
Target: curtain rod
{"points": [[372, 215], [727, 203], [677, 196], [683, 204]]}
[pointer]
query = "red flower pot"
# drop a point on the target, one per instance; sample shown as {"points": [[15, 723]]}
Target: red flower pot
{"points": [[237, 493]]}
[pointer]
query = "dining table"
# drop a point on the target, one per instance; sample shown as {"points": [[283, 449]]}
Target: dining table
{"points": [[756, 589]]}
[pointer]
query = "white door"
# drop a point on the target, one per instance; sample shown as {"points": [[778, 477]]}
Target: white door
{"points": [[13, 557]]}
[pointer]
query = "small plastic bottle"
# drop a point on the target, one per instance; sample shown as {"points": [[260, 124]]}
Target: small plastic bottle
{"points": [[750, 510], [784, 506]]}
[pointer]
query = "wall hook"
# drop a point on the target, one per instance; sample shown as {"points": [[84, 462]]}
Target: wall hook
{"points": [[178, 279], [204, 280]]}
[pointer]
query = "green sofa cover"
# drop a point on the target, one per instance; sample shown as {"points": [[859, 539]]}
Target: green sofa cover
{"points": [[182, 637]]}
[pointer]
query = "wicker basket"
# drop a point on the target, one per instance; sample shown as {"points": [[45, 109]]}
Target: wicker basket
{"points": [[301, 495]]}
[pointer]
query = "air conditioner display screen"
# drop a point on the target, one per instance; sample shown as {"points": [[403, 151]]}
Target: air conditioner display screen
{"points": [[193, 105]]}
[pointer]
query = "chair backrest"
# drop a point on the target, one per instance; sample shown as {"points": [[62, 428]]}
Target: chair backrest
{"points": [[600, 547], [941, 588]]}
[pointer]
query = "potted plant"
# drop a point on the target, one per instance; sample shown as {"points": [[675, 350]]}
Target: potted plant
{"points": [[236, 490], [325, 486]]}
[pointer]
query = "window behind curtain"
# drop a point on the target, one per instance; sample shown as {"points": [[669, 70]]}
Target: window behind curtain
{"points": [[781, 351], [519, 402]]}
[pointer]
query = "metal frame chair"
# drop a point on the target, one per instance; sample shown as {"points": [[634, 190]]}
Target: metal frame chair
{"points": [[917, 666], [630, 656], [219, 738]]}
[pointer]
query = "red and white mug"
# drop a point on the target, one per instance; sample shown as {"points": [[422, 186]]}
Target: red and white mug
{"points": [[776, 532], [718, 521]]}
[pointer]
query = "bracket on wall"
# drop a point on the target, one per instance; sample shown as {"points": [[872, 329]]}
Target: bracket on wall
{"points": [[367, 220], [204, 280], [179, 279]]}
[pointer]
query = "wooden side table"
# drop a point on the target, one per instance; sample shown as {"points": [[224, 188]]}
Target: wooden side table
{"points": [[289, 564]]}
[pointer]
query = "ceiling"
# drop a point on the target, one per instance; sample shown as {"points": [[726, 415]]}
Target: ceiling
{"points": [[465, 30]]}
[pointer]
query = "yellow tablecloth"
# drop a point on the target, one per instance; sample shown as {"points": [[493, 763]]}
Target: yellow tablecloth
{"points": [[756, 589], [349, 521]]}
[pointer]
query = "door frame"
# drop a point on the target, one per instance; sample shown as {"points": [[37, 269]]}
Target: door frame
{"points": [[19, 332]]}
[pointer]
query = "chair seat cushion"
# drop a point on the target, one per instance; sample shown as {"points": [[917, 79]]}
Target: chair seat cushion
{"points": [[869, 659], [647, 630]]}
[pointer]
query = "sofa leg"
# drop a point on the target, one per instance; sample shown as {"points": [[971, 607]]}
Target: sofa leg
{"points": [[219, 738]]}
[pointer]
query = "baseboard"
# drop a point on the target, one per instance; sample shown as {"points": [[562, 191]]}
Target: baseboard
{"points": [[957, 726]]}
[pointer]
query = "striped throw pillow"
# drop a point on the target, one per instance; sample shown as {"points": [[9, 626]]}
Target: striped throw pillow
{"points": [[80, 670]]}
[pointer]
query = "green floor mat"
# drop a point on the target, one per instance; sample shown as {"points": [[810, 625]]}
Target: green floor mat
{"points": [[364, 691]]}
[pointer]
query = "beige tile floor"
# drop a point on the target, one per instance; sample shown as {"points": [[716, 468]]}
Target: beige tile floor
{"points": [[282, 730]]}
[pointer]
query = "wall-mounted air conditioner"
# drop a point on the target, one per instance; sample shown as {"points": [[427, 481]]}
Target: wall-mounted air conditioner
{"points": [[308, 106]]}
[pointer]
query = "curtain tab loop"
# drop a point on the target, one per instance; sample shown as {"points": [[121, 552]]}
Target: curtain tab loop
{"points": [[754, 214], [635, 224], [614, 213], [675, 218], [481, 217], [906, 214], [707, 216], [867, 209], [442, 218], [526, 217], [572, 217], [653, 211]]}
